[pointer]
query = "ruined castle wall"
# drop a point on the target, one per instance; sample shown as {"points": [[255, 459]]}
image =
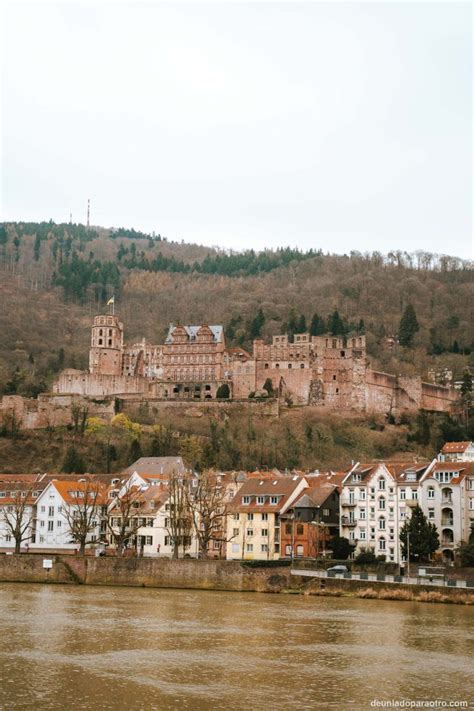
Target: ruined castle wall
{"points": [[294, 379], [49, 410], [408, 396], [243, 379], [438, 398], [91, 385], [380, 391]]}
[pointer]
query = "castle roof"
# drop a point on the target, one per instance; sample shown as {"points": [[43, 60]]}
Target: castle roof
{"points": [[217, 332]]}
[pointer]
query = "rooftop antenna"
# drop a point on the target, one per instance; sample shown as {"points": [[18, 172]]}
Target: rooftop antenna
{"points": [[88, 211], [70, 218]]}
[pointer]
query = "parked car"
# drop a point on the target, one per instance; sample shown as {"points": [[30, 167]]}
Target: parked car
{"points": [[338, 569]]}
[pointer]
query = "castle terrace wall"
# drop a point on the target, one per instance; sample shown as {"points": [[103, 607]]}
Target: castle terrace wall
{"points": [[438, 398], [157, 407], [92, 385], [50, 410], [380, 391]]}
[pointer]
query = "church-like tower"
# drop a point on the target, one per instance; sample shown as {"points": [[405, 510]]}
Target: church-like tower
{"points": [[106, 352]]}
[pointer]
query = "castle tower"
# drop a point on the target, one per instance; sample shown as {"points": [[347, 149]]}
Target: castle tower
{"points": [[106, 352]]}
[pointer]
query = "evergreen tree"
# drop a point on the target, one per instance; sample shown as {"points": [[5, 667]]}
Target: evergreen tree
{"points": [[341, 548], [361, 327], [455, 348], [223, 391], [301, 326], [424, 539], [408, 327], [73, 462], [256, 325], [466, 385], [318, 327], [135, 451], [336, 324], [291, 326]]}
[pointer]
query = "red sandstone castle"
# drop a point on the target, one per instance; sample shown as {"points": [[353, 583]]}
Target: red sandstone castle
{"points": [[193, 364]]}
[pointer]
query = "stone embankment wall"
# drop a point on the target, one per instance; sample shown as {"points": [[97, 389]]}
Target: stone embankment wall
{"points": [[49, 410], [143, 572], [207, 575], [132, 406]]}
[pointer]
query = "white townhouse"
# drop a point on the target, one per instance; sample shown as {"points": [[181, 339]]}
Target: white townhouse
{"points": [[52, 530], [376, 500], [447, 500], [150, 531], [457, 452], [13, 488]]}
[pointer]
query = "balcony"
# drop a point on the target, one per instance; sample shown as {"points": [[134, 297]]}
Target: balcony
{"points": [[346, 521], [411, 502], [348, 502], [446, 501]]}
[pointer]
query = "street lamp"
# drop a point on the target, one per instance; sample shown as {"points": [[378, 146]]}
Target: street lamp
{"points": [[408, 554]]}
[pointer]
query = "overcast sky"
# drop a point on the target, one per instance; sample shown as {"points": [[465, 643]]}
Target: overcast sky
{"points": [[328, 125]]}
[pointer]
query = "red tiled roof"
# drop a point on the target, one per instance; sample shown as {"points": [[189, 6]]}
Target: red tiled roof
{"points": [[455, 447], [282, 487]]}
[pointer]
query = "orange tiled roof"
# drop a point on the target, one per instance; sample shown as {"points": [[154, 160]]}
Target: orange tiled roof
{"points": [[455, 447], [282, 487]]}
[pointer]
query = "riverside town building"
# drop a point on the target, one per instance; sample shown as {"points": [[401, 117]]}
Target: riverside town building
{"points": [[261, 515]]}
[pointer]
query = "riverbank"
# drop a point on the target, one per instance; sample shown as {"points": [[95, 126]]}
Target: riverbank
{"points": [[230, 576]]}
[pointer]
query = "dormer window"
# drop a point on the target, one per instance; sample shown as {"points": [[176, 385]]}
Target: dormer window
{"points": [[356, 477], [245, 499], [274, 499], [260, 499]]}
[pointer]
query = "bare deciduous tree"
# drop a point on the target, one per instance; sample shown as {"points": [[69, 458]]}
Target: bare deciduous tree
{"points": [[18, 514], [83, 510], [179, 520], [207, 503], [124, 512]]}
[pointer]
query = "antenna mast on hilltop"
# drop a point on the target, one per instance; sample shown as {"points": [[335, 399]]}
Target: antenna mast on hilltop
{"points": [[88, 211]]}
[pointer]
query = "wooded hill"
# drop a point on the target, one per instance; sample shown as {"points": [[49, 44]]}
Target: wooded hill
{"points": [[54, 278]]}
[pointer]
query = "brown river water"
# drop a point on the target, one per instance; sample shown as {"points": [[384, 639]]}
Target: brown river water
{"points": [[65, 647]]}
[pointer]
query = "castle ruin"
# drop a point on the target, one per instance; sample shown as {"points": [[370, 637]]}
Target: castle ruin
{"points": [[194, 364]]}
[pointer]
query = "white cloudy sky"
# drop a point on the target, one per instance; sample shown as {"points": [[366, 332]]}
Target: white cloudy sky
{"points": [[338, 125]]}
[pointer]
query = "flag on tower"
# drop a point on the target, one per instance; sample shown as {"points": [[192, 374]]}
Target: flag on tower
{"points": [[111, 301]]}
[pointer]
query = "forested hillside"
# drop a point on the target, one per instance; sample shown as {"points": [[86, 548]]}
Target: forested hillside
{"points": [[54, 278]]}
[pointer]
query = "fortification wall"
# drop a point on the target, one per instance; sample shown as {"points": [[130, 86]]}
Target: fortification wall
{"points": [[438, 398], [380, 392], [158, 407], [296, 380], [49, 410], [91, 385]]}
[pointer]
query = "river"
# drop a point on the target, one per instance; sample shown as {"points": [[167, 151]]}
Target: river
{"points": [[65, 647]]}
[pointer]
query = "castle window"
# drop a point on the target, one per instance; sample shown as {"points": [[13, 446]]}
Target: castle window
{"points": [[266, 366], [337, 391], [334, 343], [302, 366], [334, 377], [353, 342], [100, 341], [100, 332], [110, 331], [110, 341], [289, 366], [277, 365], [343, 353]]}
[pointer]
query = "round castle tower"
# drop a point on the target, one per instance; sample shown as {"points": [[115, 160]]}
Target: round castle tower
{"points": [[106, 352]]}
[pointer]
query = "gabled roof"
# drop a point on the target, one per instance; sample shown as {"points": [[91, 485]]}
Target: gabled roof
{"points": [[68, 489], [282, 487], [455, 447], [160, 467], [217, 332]]}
